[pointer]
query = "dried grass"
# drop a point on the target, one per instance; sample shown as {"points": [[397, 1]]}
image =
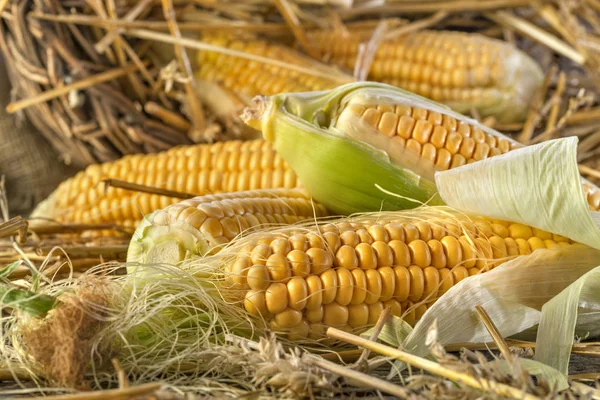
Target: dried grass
{"points": [[152, 107]]}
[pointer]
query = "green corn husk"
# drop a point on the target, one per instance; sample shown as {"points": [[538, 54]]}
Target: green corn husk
{"points": [[344, 174]]}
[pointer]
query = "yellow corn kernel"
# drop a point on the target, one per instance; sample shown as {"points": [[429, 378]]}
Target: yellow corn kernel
{"points": [[234, 72], [431, 144]]}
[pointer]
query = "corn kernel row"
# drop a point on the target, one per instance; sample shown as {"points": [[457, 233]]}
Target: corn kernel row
{"points": [[440, 140], [300, 282], [250, 78], [222, 217], [463, 70]]}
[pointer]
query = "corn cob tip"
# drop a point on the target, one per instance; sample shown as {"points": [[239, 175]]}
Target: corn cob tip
{"points": [[256, 114], [157, 242], [205, 224], [45, 207]]}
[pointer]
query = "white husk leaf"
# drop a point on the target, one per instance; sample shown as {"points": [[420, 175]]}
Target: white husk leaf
{"points": [[537, 185], [511, 294]]}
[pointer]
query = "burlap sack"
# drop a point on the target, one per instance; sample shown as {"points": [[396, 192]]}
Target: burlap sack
{"points": [[31, 167]]}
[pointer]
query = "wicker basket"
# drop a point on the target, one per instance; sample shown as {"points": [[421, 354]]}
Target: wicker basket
{"points": [[131, 113]]}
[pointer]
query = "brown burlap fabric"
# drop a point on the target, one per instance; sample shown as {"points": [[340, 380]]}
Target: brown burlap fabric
{"points": [[32, 168]]}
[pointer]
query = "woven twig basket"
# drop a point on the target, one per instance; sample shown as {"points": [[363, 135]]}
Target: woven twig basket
{"points": [[105, 118]]}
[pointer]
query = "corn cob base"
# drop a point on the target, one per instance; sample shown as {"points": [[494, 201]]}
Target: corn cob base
{"points": [[205, 224]]}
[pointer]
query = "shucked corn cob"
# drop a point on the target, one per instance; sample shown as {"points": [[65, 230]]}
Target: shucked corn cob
{"points": [[200, 169], [344, 274], [463, 70], [196, 226], [417, 135], [251, 78]]}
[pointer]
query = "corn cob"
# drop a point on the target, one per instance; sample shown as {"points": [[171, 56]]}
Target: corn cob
{"points": [[199, 169], [203, 224], [463, 70], [344, 274], [416, 134], [437, 138], [251, 78]]}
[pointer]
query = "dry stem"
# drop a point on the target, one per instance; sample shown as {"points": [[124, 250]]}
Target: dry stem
{"points": [[432, 367], [362, 378], [135, 392], [493, 330], [61, 91], [117, 183]]}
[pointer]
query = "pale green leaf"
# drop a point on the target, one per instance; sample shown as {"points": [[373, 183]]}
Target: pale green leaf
{"points": [[341, 173], [559, 317], [537, 186], [394, 332]]}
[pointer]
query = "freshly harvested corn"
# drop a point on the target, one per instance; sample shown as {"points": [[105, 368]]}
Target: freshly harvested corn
{"points": [[462, 70], [202, 225], [345, 273], [437, 141], [200, 169], [415, 134], [251, 78]]}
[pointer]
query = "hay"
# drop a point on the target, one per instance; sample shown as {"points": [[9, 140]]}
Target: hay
{"points": [[98, 120], [54, 44]]}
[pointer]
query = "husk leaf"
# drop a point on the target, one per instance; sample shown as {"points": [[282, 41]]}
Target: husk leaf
{"points": [[343, 174], [559, 318], [536, 185]]}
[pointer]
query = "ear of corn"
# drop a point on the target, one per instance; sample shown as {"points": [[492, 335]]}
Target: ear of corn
{"points": [[416, 134], [341, 173], [200, 169], [344, 274], [249, 78], [462, 70], [202, 225]]}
